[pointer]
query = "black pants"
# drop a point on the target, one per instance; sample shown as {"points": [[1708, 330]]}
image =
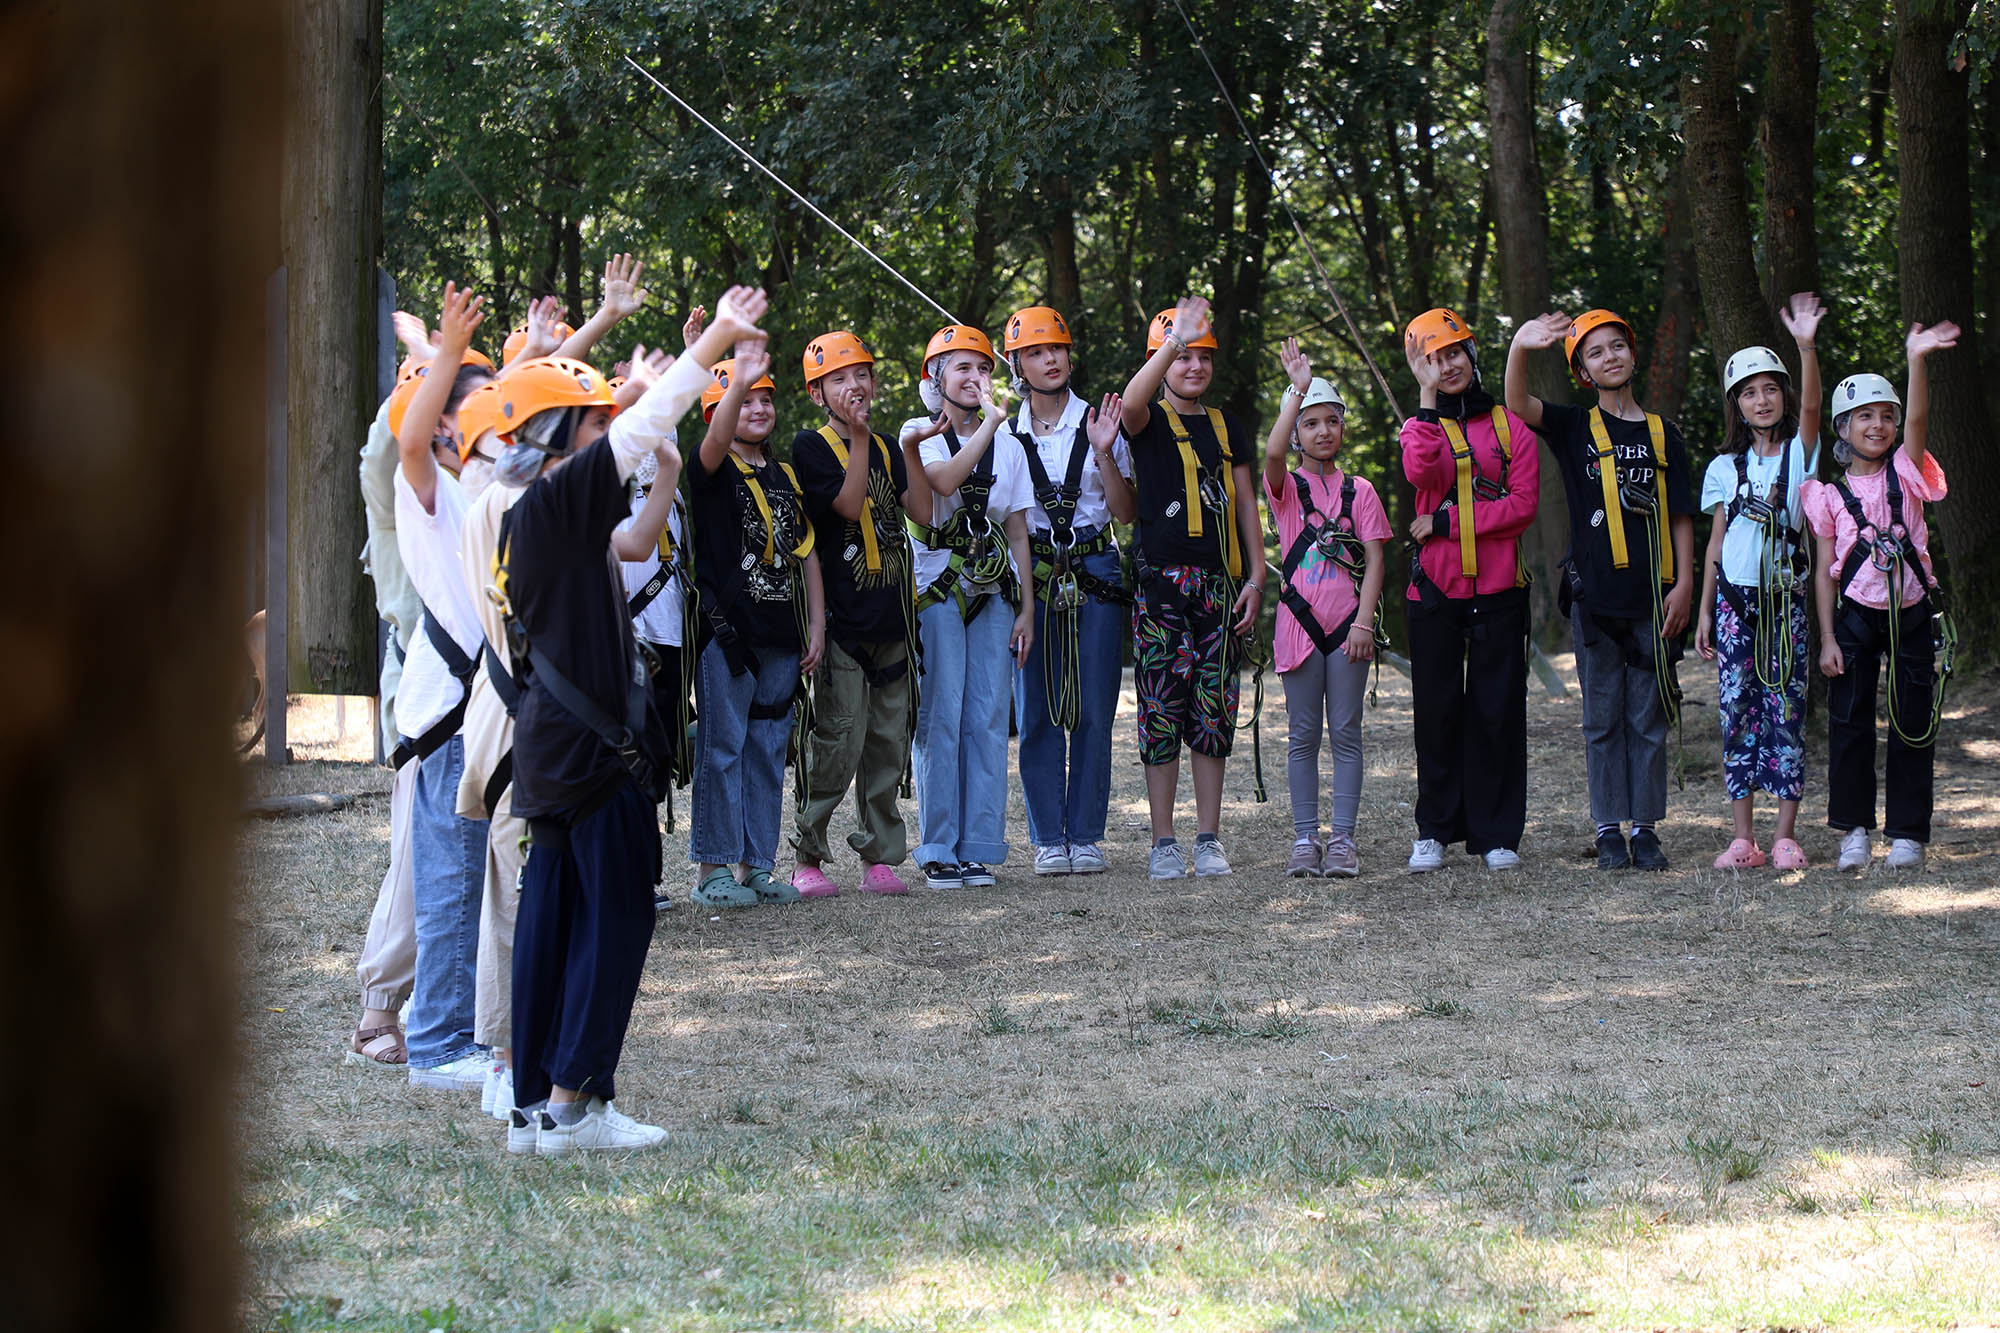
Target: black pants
{"points": [[586, 921], [1468, 682], [670, 695], [1863, 635]]}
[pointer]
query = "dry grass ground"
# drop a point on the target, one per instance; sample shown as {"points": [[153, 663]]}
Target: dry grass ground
{"points": [[1553, 1098]]}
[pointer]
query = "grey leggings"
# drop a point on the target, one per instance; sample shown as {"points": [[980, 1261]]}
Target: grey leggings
{"points": [[1325, 684]]}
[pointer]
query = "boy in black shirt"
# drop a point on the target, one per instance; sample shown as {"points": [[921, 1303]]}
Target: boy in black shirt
{"points": [[1201, 577], [590, 754], [864, 701], [1629, 577]]}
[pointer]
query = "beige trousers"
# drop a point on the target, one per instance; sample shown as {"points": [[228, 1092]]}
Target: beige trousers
{"points": [[388, 965]]}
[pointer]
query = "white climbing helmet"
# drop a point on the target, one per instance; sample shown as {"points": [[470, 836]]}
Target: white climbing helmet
{"points": [[1320, 393], [1861, 390], [1751, 361]]}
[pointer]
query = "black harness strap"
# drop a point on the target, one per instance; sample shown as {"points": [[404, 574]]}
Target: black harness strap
{"points": [[497, 781], [1886, 548], [1331, 534], [461, 668]]}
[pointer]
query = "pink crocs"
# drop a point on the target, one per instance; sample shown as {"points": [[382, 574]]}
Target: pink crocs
{"points": [[1788, 855], [1742, 855], [881, 879], [812, 882]]}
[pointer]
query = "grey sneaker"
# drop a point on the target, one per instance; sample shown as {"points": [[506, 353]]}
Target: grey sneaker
{"points": [[1905, 854], [1426, 854], [1053, 860], [1166, 863], [1305, 862], [1503, 858], [1341, 862], [1208, 858], [1854, 850], [1086, 859]]}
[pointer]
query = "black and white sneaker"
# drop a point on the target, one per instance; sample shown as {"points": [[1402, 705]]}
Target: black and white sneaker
{"points": [[975, 875], [945, 875]]}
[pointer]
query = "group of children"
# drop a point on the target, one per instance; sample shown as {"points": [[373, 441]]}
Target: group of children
{"points": [[579, 628]]}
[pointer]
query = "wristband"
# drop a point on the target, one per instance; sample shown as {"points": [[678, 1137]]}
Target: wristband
{"points": [[1294, 391]]}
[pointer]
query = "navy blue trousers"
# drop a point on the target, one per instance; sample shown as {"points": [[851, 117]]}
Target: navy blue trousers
{"points": [[580, 942]]}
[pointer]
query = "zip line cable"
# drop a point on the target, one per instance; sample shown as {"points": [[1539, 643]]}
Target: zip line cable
{"points": [[1311, 254], [752, 160]]}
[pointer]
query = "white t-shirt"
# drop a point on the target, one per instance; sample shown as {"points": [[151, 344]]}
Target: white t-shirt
{"points": [[1054, 448], [1010, 494], [660, 622], [428, 543], [1743, 543]]}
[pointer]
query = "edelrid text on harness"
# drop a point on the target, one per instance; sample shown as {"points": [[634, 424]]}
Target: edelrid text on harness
{"points": [[1893, 552]]}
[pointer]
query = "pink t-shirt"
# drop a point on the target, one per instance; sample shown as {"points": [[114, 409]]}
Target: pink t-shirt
{"points": [[1328, 588], [1826, 512]]}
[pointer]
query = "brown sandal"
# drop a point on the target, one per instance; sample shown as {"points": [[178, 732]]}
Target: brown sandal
{"points": [[383, 1045]]}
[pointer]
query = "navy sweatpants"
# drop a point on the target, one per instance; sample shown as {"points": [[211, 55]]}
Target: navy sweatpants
{"points": [[580, 943]]}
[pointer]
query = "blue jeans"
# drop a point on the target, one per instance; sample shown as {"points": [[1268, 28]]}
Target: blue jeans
{"points": [[959, 758], [1067, 776], [448, 855], [739, 767]]}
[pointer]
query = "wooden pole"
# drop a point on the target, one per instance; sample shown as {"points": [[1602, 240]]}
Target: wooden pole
{"points": [[277, 472]]}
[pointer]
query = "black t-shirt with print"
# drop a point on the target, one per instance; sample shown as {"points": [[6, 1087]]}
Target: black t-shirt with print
{"points": [[862, 605], [568, 594], [1161, 482], [1607, 590], [753, 597]]}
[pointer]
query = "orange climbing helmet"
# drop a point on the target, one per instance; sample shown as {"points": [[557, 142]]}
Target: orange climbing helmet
{"points": [[519, 339], [957, 338], [1580, 328], [1163, 324], [535, 386], [1437, 329], [718, 384], [1033, 326], [479, 413], [830, 351]]}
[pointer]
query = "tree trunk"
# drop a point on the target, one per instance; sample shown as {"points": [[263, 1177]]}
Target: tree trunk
{"points": [[1934, 240], [1791, 103], [1521, 226], [332, 236], [1059, 253], [141, 141], [1989, 252], [1732, 299], [572, 252], [1680, 302]]}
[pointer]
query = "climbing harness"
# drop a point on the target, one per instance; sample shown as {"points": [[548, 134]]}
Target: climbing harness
{"points": [[1334, 538], [1894, 553], [979, 563], [1061, 581]]}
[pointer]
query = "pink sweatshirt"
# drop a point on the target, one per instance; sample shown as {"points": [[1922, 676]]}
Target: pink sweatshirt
{"points": [[1496, 524], [1826, 512]]}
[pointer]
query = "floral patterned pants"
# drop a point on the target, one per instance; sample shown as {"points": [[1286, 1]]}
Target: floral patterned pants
{"points": [[1187, 678], [1762, 725]]}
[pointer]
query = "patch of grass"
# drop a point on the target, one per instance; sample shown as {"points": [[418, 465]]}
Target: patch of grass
{"points": [[1439, 1006], [1210, 1018], [1797, 1200], [1928, 1146], [1719, 1161], [997, 1020], [1280, 1024]]}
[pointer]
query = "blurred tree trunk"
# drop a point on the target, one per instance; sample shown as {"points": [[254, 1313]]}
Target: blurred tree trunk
{"points": [[1731, 297], [1791, 107], [332, 211], [1934, 240], [1521, 226], [1672, 343], [141, 139]]}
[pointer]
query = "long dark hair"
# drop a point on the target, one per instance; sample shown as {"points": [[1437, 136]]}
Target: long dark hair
{"points": [[1739, 435]]}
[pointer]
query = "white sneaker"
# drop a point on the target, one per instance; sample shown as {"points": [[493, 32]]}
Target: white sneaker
{"points": [[1208, 857], [1905, 854], [603, 1128], [1054, 860], [1498, 858], [466, 1072], [1166, 863], [500, 1085], [1854, 850], [1086, 859], [523, 1130], [1426, 854]]}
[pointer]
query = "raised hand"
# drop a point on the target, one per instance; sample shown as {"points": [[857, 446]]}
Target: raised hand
{"points": [[461, 317], [647, 367], [1297, 368], [1801, 316], [1548, 331], [739, 309], [1923, 341], [1102, 422], [697, 320], [410, 332], [543, 316], [622, 294], [1191, 318], [1422, 364], [753, 359]]}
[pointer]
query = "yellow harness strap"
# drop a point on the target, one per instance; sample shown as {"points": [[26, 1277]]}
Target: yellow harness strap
{"points": [[870, 547], [1607, 476], [1461, 452], [1191, 481], [763, 503]]}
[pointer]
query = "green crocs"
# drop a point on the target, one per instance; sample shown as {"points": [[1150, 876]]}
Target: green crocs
{"points": [[770, 889], [718, 888]]}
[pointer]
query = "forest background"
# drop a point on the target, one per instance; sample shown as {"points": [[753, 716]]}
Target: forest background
{"points": [[1687, 164]]}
